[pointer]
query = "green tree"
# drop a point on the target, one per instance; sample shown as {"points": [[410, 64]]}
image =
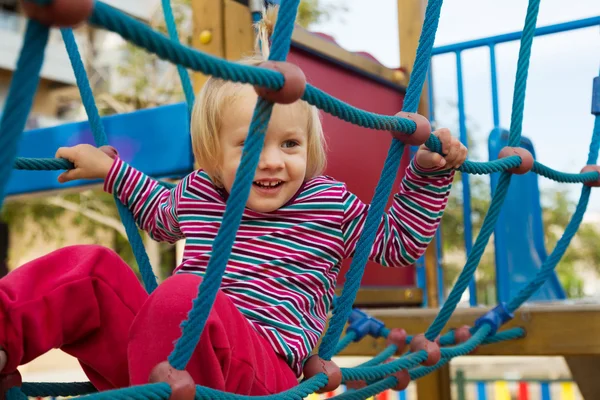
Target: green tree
{"points": [[311, 12]]}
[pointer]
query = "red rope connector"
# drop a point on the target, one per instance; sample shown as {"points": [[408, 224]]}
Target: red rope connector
{"points": [[316, 365], [61, 13], [526, 159], [590, 168], [434, 354], [397, 336], [293, 86], [420, 135], [181, 382]]}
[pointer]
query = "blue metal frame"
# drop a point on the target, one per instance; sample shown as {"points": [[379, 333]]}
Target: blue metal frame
{"points": [[511, 37], [156, 141], [490, 42]]}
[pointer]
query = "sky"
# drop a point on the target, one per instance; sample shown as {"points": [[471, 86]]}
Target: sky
{"points": [[557, 107]]}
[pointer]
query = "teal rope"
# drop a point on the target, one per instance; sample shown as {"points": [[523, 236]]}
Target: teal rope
{"points": [[498, 199], [563, 177], [368, 391], [100, 138], [562, 245], [470, 167], [15, 393], [149, 391], [20, 98], [44, 389], [299, 392], [186, 82], [192, 328], [42, 164], [345, 341], [365, 242], [419, 72]]}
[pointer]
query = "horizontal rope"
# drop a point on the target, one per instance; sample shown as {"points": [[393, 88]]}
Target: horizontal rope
{"points": [[57, 389], [469, 167]]}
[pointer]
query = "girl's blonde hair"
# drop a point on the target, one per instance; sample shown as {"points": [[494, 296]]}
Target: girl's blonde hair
{"points": [[207, 114]]}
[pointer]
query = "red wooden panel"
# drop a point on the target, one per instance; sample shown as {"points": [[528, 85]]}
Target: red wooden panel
{"points": [[356, 155]]}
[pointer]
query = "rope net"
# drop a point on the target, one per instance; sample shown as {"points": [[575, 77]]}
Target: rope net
{"points": [[377, 372]]}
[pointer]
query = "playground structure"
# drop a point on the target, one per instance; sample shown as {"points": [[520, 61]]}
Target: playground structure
{"points": [[546, 326]]}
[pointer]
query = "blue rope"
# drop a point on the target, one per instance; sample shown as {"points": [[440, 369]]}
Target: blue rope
{"points": [[202, 305], [193, 326], [100, 138], [503, 183], [186, 82], [384, 187], [562, 245], [20, 98]]}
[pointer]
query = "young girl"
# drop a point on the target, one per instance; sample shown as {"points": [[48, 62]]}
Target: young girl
{"points": [[297, 228]]}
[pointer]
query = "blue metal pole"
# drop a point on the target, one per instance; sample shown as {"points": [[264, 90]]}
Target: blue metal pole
{"points": [[509, 37], [402, 395], [494, 80], [481, 391], [438, 233], [545, 389], [440, 270], [466, 189]]}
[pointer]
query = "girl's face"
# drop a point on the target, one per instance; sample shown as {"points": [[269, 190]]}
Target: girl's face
{"points": [[282, 166]]}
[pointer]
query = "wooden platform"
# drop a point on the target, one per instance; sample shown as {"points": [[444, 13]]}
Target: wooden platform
{"points": [[551, 330]]}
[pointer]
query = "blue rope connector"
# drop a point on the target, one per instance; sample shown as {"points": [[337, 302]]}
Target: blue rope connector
{"points": [[495, 318], [596, 96], [363, 324]]}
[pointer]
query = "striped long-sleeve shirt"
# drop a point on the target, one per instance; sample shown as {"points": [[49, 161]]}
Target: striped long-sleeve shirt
{"points": [[283, 266]]}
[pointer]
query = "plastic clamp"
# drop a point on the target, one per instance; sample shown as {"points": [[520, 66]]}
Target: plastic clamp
{"points": [[363, 324], [495, 318], [596, 96]]}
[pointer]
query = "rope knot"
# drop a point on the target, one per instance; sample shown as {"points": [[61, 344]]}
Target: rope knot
{"points": [[61, 13], [592, 168], [181, 382], [316, 365], [421, 133], [294, 83], [526, 159]]}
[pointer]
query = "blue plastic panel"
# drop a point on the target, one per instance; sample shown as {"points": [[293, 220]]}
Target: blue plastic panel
{"points": [[519, 232], [155, 141]]}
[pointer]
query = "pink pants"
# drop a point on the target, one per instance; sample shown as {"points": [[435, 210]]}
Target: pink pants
{"points": [[86, 301]]}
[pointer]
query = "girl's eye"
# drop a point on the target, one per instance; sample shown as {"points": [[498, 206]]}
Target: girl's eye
{"points": [[290, 143]]}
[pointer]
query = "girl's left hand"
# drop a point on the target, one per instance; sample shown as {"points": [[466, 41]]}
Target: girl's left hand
{"points": [[456, 153]]}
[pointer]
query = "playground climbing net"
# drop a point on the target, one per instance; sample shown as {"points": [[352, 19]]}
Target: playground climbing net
{"points": [[276, 85]]}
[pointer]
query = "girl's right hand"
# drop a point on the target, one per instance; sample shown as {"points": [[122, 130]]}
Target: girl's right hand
{"points": [[90, 162]]}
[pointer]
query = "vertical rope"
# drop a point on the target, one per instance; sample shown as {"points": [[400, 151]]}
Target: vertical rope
{"points": [[561, 246], [502, 189], [100, 138], [186, 82], [20, 98], [384, 187], [202, 305]]}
